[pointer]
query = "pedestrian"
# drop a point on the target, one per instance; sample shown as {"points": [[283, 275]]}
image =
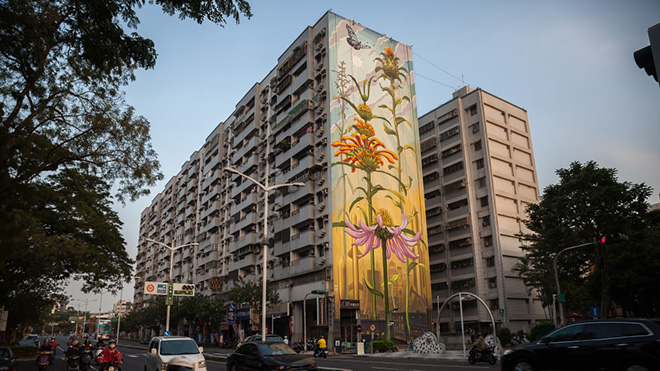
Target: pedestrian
{"points": [[471, 332], [286, 340]]}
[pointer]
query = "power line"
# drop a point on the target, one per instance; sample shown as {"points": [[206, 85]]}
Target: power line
{"points": [[437, 82], [431, 63]]}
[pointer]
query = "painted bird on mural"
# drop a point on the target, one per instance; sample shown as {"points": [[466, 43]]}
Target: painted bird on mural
{"points": [[354, 41]]}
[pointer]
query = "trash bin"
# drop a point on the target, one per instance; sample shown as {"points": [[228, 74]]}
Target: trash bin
{"points": [[360, 348]]}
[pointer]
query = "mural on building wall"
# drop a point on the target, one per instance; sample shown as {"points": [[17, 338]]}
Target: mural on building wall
{"points": [[380, 251]]}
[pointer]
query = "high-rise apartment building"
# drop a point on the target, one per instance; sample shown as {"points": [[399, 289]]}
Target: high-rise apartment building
{"points": [[479, 177], [337, 113]]}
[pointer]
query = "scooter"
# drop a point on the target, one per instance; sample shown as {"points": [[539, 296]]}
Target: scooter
{"points": [[320, 352], [97, 353], [298, 346], [43, 360], [86, 359], [110, 366], [73, 363], [487, 355]]}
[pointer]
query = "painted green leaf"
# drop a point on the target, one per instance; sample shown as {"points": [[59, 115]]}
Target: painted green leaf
{"points": [[369, 286], [339, 225], [411, 266], [350, 208], [388, 130]]}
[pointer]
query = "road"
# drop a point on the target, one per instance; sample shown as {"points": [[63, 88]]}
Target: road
{"points": [[134, 361]]}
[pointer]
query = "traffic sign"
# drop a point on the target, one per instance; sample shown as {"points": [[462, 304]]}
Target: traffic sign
{"points": [[562, 298], [181, 289], [594, 311], [167, 333], [372, 327], [359, 328], [155, 288]]}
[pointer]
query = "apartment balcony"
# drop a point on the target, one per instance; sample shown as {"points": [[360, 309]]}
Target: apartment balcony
{"points": [[248, 200], [461, 211], [247, 147], [247, 220], [281, 247], [299, 167], [303, 239], [251, 161], [302, 215], [304, 143], [245, 261], [205, 259], [241, 187], [296, 193], [238, 243], [249, 128], [296, 268]]}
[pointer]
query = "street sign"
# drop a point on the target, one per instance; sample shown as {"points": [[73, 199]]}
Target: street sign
{"points": [[155, 288], [167, 333], [359, 328], [562, 298], [231, 314], [372, 327], [170, 294], [594, 311], [501, 312], [181, 289]]}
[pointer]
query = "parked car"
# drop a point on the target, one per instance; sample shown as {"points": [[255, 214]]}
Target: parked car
{"points": [[7, 359], [32, 339], [268, 356], [163, 349], [614, 344], [257, 338]]}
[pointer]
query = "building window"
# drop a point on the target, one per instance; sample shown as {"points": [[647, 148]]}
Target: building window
{"points": [[484, 201], [439, 286], [494, 304], [485, 221], [480, 163], [431, 177], [450, 133], [457, 204], [462, 284], [462, 263], [435, 249], [426, 128], [451, 151], [492, 282], [490, 261], [473, 110], [475, 128], [440, 267], [477, 145], [481, 182], [488, 241], [452, 168]]}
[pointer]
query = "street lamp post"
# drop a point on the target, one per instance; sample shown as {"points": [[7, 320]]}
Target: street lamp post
{"points": [[561, 307], [314, 292], [172, 249], [87, 301], [266, 189]]}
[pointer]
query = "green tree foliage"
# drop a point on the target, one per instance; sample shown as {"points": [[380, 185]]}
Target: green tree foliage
{"points": [[505, 336], [249, 294], [588, 202], [67, 137]]}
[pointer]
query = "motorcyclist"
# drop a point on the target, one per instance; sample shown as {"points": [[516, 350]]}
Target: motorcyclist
{"points": [[479, 346], [321, 344], [74, 350], [110, 354], [87, 345], [53, 344], [45, 347]]}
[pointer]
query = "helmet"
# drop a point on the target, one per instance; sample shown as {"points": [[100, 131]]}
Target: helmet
{"points": [[180, 364], [75, 342], [112, 341]]}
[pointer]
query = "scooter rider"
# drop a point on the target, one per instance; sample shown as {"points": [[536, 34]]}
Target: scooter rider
{"points": [[74, 350], [110, 354], [53, 344]]}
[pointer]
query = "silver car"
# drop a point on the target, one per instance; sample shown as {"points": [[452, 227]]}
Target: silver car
{"points": [[163, 349]]}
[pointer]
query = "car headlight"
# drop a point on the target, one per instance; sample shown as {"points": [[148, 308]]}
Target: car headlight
{"points": [[201, 364], [508, 351], [4, 367], [163, 366]]}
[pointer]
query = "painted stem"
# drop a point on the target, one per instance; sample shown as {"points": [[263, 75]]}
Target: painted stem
{"points": [[371, 254], [386, 290]]}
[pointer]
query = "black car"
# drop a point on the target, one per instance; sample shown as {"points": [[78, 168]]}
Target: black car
{"points": [[7, 359], [615, 344], [268, 356]]}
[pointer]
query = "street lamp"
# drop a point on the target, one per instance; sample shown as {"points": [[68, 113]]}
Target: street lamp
{"points": [[87, 301], [266, 189], [314, 292], [172, 249], [561, 307]]}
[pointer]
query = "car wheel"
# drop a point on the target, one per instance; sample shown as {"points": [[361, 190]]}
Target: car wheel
{"points": [[523, 364], [636, 366]]}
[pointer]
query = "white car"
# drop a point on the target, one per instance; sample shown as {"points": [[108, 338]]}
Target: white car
{"points": [[163, 349]]}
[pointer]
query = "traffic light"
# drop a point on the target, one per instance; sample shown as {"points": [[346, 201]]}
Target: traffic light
{"points": [[613, 238], [648, 58]]}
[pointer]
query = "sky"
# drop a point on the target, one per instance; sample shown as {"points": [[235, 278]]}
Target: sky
{"points": [[568, 63]]}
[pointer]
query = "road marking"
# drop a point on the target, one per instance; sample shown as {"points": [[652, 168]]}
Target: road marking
{"points": [[416, 364]]}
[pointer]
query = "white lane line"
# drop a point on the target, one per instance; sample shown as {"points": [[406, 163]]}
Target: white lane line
{"points": [[417, 364]]}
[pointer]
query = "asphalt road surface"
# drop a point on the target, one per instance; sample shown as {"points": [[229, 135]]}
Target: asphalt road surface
{"points": [[134, 361]]}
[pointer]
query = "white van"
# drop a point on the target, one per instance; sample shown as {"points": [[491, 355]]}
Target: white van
{"points": [[163, 349]]}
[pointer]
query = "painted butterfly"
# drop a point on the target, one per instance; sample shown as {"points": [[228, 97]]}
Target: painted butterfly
{"points": [[353, 40]]}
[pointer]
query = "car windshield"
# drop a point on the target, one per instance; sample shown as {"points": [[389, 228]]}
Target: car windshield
{"points": [[175, 347], [276, 349]]}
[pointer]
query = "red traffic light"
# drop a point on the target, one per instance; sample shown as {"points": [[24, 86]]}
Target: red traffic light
{"points": [[603, 239]]}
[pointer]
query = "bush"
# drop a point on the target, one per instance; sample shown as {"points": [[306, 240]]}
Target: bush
{"points": [[505, 336], [384, 345], [540, 329], [24, 351]]}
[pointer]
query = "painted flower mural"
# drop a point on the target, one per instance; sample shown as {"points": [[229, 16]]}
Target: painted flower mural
{"points": [[376, 174]]}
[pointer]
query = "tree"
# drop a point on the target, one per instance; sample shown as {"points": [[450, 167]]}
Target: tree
{"points": [[67, 137], [588, 202], [249, 294]]}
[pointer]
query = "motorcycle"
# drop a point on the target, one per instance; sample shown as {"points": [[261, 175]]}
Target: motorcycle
{"points": [[86, 359], [97, 353], [43, 360], [298, 346], [487, 355], [73, 363], [320, 352], [110, 366]]}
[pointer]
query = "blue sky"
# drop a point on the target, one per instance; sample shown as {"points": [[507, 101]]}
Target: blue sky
{"points": [[568, 63]]}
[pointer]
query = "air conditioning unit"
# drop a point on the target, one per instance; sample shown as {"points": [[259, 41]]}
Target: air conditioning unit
{"points": [[322, 233], [322, 261], [325, 191]]}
